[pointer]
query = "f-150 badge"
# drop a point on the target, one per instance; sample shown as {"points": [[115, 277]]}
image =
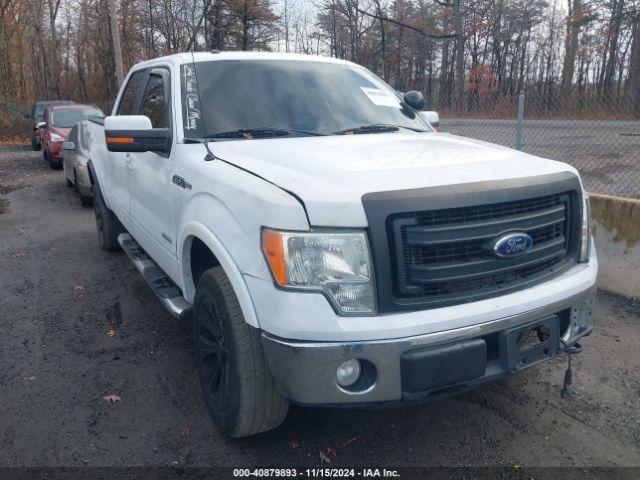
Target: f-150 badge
{"points": [[181, 182]]}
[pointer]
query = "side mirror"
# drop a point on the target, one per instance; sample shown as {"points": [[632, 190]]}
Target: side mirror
{"points": [[432, 118], [414, 99], [68, 146], [41, 125], [134, 133]]}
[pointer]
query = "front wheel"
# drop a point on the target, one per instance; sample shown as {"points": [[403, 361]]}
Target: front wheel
{"points": [[107, 224], [237, 386], [35, 143], [84, 200]]}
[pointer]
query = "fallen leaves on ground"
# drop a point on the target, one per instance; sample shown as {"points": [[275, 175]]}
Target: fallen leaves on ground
{"points": [[78, 287], [294, 444], [328, 455], [13, 140], [324, 458], [111, 332], [28, 378], [18, 255], [349, 441], [112, 398], [187, 432]]}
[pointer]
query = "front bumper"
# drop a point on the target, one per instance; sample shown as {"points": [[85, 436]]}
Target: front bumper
{"points": [[56, 150], [305, 371]]}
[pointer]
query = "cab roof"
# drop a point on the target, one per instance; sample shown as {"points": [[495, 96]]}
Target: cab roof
{"points": [[188, 57], [72, 106]]}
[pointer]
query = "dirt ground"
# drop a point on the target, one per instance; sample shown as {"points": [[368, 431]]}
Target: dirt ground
{"points": [[78, 324]]}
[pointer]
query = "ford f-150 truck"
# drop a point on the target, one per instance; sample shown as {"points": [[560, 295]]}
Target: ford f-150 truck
{"points": [[331, 248]]}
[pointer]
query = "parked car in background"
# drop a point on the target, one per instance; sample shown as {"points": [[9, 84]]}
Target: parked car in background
{"points": [[56, 125], [76, 155], [36, 116]]}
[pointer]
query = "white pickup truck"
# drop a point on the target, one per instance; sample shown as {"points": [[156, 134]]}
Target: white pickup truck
{"points": [[330, 247]]}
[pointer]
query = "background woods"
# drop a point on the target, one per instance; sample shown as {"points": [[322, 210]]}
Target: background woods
{"points": [[573, 57]]}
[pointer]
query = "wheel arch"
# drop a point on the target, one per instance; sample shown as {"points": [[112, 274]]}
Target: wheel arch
{"points": [[200, 241]]}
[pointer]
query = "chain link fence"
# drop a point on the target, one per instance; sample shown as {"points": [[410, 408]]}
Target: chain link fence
{"points": [[600, 137]]}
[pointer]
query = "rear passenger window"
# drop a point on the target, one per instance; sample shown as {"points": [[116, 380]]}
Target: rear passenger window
{"points": [[127, 103], [154, 102]]}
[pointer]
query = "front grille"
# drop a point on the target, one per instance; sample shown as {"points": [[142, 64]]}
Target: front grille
{"points": [[444, 256]]}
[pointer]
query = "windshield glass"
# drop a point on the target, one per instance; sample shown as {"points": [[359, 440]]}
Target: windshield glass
{"points": [[68, 118], [297, 97], [39, 113]]}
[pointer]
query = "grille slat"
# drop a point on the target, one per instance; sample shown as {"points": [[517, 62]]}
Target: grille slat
{"points": [[447, 272], [465, 231], [446, 254]]}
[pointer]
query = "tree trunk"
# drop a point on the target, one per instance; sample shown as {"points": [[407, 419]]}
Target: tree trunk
{"points": [[53, 48], [634, 68], [117, 50], [570, 47], [458, 25], [444, 90]]}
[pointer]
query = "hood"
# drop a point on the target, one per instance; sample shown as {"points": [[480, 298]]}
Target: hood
{"points": [[331, 174]]}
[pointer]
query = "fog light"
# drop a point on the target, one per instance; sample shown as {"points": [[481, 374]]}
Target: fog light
{"points": [[348, 372]]}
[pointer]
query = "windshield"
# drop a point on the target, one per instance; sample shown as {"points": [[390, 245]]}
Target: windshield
{"points": [[295, 97], [68, 118], [39, 113]]}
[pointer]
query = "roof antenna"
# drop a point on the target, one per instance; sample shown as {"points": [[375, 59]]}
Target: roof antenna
{"points": [[209, 156]]}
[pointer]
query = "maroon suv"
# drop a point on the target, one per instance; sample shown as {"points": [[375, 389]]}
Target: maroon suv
{"points": [[56, 125]]}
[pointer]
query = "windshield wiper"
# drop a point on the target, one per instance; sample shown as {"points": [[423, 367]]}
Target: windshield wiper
{"points": [[375, 128], [260, 132]]}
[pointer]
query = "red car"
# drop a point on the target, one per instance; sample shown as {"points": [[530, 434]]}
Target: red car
{"points": [[56, 125]]}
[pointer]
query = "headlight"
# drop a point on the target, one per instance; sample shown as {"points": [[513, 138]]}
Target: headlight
{"points": [[337, 264], [57, 138], [585, 237]]}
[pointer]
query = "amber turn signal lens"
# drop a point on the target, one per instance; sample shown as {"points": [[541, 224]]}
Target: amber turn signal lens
{"points": [[120, 140], [273, 247]]}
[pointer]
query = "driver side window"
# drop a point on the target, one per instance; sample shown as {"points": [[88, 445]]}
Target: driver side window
{"points": [[154, 102], [130, 94]]}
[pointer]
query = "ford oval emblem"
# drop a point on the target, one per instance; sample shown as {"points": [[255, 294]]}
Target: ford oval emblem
{"points": [[512, 245]]}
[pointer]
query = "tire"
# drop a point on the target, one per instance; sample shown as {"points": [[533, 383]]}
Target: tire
{"points": [[35, 144], [107, 224], [84, 200], [53, 165], [236, 383]]}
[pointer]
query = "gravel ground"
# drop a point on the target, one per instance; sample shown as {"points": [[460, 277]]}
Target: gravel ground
{"points": [[78, 324]]}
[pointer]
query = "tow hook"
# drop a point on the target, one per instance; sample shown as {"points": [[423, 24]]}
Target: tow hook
{"points": [[575, 349]]}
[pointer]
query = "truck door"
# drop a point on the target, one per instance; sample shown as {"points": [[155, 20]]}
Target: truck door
{"points": [[150, 184], [119, 165]]}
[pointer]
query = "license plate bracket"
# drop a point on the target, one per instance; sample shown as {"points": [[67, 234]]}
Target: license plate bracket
{"points": [[519, 351]]}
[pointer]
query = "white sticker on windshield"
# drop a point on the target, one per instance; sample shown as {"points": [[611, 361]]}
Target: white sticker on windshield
{"points": [[381, 97]]}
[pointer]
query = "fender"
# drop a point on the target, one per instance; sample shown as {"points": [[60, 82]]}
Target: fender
{"points": [[195, 229]]}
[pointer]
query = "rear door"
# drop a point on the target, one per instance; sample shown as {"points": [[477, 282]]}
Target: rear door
{"points": [[119, 164], [150, 183]]}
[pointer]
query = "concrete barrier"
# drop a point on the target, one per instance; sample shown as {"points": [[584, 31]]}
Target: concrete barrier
{"points": [[616, 233]]}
